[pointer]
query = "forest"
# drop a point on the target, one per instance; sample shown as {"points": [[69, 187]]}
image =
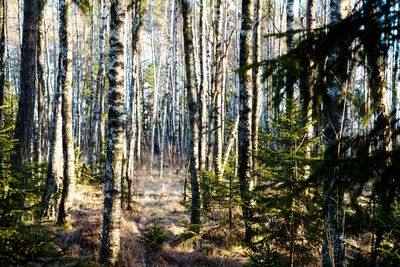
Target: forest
{"points": [[199, 133]]}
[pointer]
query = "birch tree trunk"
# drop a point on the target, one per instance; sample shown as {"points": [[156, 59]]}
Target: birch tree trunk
{"points": [[54, 173], [94, 102], [245, 113], [65, 84], [256, 79], [41, 88], [110, 243], [203, 86], [306, 85], [289, 45], [132, 134], [2, 65], [101, 76], [193, 110], [217, 88], [153, 121], [54, 169]]}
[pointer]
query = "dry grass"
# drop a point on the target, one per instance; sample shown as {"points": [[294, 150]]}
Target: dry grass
{"points": [[156, 200]]}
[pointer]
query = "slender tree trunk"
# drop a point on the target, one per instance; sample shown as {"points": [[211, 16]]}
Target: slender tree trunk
{"points": [[110, 243], [54, 169], [306, 88], [256, 80], [217, 87], [162, 139], [41, 89], [153, 121], [101, 76], [193, 110], [26, 103], [132, 131], [229, 146], [245, 113], [289, 46], [203, 86], [2, 65], [203, 89], [138, 144], [55, 157], [94, 102], [289, 112], [395, 101], [65, 83]]}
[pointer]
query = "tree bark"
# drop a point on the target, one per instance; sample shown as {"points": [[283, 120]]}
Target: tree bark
{"points": [[193, 110], [256, 80], [289, 46], [94, 102], [101, 76], [110, 243], [26, 103], [65, 84], [306, 85], [217, 88], [54, 173], [245, 113], [203, 86], [41, 89], [2, 65]]}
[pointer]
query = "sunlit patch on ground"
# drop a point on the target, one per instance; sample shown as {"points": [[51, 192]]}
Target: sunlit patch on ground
{"points": [[156, 201]]}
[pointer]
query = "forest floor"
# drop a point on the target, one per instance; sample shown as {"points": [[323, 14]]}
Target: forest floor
{"points": [[156, 201]]}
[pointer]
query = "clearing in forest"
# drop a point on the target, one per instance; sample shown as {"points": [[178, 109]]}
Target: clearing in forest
{"points": [[158, 201]]}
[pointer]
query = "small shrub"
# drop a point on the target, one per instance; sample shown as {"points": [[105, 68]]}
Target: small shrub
{"points": [[153, 237]]}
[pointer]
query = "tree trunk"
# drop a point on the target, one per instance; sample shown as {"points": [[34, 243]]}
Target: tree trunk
{"points": [[54, 169], [110, 243], [2, 65], [203, 86], [305, 84], [131, 127], [101, 76], [94, 102], [153, 121], [245, 113], [217, 88], [26, 103], [41, 89], [256, 79], [65, 84], [193, 110], [289, 46]]}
